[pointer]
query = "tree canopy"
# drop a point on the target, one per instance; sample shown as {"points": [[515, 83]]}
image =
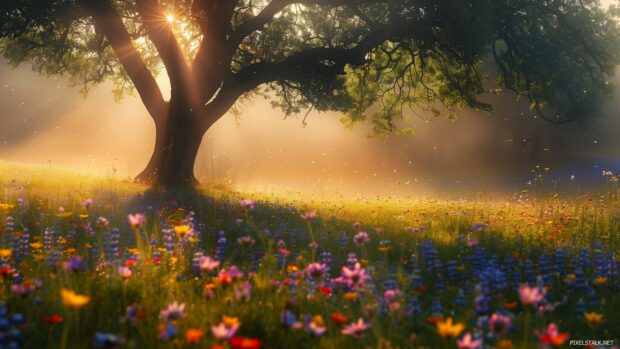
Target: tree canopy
{"points": [[377, 60]]}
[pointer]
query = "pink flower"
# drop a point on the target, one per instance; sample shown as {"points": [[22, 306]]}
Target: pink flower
{"points": [[243, 290], [136, 220], [316, 270], [309, 215], [124, 272], [389, 295], [88, 203], [468, 342], [354, 278], [552, 336], [174, 311], [224, 331], [247, 204], [356, 329], [531, 295], [207, 263], [361, 238], [500, 324]]}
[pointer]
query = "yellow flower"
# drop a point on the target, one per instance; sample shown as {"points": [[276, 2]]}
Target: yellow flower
{"points": [[182, 230], [447, 329], [73, 300], [230, 321], [594, 318], [6, 252], [318, 320], [83, 216], [6, 206], [64, 214], [600, 280], [36, 245], [350, 296], [134, 251], [292, 268]]}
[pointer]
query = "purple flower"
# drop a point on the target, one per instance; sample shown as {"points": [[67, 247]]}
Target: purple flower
{"points": [[74, 264], [207, 263]]}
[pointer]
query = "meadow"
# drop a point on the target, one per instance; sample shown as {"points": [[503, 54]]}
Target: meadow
{"points": [[101, 262]]}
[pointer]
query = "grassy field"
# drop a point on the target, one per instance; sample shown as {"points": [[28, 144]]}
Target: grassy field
{"points": [[221, 269]]}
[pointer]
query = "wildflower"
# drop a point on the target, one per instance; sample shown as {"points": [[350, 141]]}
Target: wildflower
{"points": [[244, 343], [355, 277], [136, 220], [227, 328], [73, 300], [124, 272], [246, 241], [390, 295], [88, 203], [531, 295], [361, 238], [24, 289], [338, 318], [53, 319], [447, 329], [504, 344], [243, 290], [174, 311], [36, 245], [350, 296], [74, 264], [317, 326], [107, 340], [5, 252], [594, 318], [356, 329], [316, 270], [168, 331], [207, 263], [309, 215], [182, 230], [600, 280], [468, 342], [552, 336], [247, 204], [193, 335], [499, 324]]}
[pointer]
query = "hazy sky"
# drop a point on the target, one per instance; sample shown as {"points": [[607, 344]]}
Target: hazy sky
{"points": [[44, 121]]}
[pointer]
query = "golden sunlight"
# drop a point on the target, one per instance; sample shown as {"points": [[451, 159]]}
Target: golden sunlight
{"points": [[170, 18]]}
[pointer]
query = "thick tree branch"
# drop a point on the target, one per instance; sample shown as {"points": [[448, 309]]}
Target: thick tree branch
{"points": [[214, 55], [317, 59], [159, 32], [109, 23]]}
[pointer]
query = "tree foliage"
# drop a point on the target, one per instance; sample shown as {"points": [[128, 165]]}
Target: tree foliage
{"points": [[377, 60]]}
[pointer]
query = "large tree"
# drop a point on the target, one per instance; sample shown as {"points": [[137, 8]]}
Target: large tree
{"points": [[376, 60]]}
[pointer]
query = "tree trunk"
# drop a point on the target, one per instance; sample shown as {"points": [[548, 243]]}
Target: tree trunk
{"points": [[177, 139]]}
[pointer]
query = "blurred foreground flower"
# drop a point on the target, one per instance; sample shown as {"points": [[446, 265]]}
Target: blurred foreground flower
{"points": [[73, 300]]}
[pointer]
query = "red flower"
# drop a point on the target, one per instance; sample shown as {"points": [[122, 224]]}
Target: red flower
{"points": [[326, 291], [284, 252], [244, 343], [338, 318], [551, 335], [52, 320]]}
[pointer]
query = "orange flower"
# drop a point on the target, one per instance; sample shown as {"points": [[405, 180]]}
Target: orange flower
{"points": [[447, 329], [193, 335]]}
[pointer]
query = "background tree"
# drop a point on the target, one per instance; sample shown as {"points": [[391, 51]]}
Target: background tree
{"points": [[376, 60]]}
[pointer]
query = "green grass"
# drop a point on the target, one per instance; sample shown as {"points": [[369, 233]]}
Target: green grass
{"points": [[524, 227]]}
